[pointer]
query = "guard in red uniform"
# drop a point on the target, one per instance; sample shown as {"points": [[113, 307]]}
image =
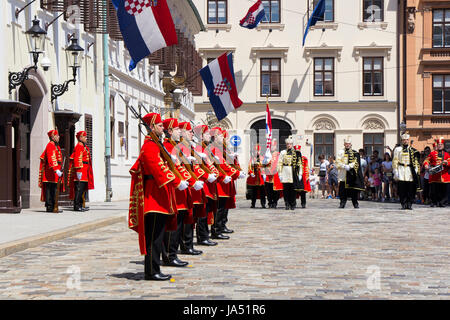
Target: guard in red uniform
{"points": [[304, 185], [50, 170], [202, 133], [272, 183], [438, 162], [81, 176], [224, 189], [256, 177], [152, 198]]}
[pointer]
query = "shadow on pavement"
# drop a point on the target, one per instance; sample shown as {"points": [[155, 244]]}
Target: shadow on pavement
{"points": [[129, 275]]}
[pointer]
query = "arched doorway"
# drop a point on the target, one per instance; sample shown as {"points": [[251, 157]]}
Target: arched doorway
{"points": [[24, 132], [281, 130]]}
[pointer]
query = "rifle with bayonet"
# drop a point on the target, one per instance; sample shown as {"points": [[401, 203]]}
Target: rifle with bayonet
{"points": [[58, 186]]}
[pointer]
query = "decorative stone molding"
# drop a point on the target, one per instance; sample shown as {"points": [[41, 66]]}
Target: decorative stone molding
{"points": [[324, 124], [270, 26], [335, 51], [258, 51], [373, 47], [215, 51], [411, 23], [373, 124], [218, 27], [325, 25], [372, 25]]}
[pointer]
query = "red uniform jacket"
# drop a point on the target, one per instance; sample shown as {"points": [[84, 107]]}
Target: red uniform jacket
{"points": [[305, 175], [272, 173], [80, 161], [51, 160], [255, 168], [152, 189], [434, 159], [225, 189]]}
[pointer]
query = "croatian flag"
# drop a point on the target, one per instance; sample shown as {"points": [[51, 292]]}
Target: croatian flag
{"points": [[317, 15], [146, 27], [268, 155], [219, 80], [254, 15]]}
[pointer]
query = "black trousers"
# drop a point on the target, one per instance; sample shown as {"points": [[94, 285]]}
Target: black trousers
{"points": [[219, 217], [172, 238], [50, 192], [272, 195], [302, 197], [80, 189], [426, 189], [202, 229], [406, 192], [345, 193], [155, 224], [290, 195], [262, 194], [187, 233], [438, 193]]}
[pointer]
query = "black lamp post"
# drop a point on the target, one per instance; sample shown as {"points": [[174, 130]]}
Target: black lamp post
{"points": [[36, 40], [73, 53]]}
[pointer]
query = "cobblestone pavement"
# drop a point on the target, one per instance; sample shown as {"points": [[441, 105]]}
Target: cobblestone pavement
{"points": [[319, 252]]}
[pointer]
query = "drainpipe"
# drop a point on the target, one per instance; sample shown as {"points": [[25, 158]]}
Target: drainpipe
{"points": [[399, 16], [404, 62], [107, 114]]}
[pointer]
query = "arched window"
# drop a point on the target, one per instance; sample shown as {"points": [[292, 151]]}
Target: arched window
{"points": [[259, 128]]}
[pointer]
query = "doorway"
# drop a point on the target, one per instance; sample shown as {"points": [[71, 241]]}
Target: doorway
{"points": [[259, 133], [24, 132]]}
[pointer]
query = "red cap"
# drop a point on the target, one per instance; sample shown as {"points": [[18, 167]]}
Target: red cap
{"points": [[81, 133], [152, 118], [215, 131], [170, 123], [52, 132], [440, 140], [298, 147], [200, 129], [185, 126]]}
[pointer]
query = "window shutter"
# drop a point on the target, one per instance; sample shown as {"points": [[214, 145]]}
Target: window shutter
{"points": [[88, 129]]}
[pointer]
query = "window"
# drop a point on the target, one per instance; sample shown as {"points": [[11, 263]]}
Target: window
{"points": [[270, 77], [441, 93], [372, 142], [217, 11], [373, 10], [323, 145], [112, 122], [324, 76], [88, 129], [441, 28], [272, 10], [329, 10], [126, 132], [373, 76]]}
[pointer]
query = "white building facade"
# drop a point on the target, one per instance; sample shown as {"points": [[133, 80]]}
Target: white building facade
{"points": [[342, 82]]}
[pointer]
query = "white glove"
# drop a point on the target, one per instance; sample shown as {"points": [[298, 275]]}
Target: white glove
{"points": [[183, 185], [264, 177], [227, 180], [79, 175], [217, 158], [212, 177], [202, 155], [59, 173], [174, 158], [242, 175], [352, 165], [281, 178], [234, 155], [192, 159], [347, 167], [252, 175], [198, 185]]}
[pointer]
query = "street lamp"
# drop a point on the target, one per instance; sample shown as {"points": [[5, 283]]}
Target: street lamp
{"points": [[36, 41], [73, 53]]}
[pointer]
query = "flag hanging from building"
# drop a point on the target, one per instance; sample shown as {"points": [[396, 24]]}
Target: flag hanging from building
{"points": [[146, 27], [317, 15], [254, 15], [268, 155], [219, 80]]}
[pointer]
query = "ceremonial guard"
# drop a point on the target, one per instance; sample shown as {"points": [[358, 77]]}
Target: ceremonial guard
{"points": [[303, 176], [438, 163], [50, 172], [350, 177], [81, 176], [225, 191], [256, 178], [198, 197], [210, 188], [152, 196], [288, 167], [406, 169], [183, 198], [272, 183]]}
